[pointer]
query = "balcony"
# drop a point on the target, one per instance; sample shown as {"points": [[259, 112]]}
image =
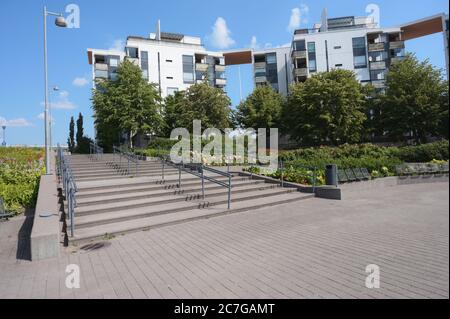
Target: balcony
{"points": [[397, 45], [219, 68], [380, 65], [101, 66], [301, 72], [202, 67], [135, 61], [377, 46], [299, 54], [260, 65], [101, 74], [378, 84], [260, 79], [221, 82], [397, 59]]}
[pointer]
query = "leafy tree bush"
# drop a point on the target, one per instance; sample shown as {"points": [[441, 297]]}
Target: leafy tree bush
{"points": [[327, 108], [20, 171]]}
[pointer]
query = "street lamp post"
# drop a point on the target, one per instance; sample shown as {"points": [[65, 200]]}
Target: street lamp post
{"points": [[4, 135], [60, 22]]}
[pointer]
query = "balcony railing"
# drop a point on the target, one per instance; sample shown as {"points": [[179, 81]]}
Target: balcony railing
{"points": [[301, 72], [221, 82], [397, 45], [379, 84], [299, 54], [219, 68], [202, 67], [260, 79], [379, 65], [397, 59], [101, 66], [260, 65], [377, 46], [135, 61]]}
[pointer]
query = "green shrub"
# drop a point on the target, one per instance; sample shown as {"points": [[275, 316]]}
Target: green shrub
{"points": [[161, 143], [20, 171]]}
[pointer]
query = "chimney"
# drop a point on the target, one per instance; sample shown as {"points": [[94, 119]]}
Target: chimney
{"points": [[158, 30]]}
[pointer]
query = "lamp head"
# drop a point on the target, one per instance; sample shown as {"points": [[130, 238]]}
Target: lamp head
{"points": [[61, 22]]}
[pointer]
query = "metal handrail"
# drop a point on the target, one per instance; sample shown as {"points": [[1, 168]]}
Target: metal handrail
{"points": [[69, 186], [129, 159], [95, 151], [198, 170]]}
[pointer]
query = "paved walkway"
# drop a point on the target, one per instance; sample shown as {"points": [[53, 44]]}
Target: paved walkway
{"points": [[312, 249]]}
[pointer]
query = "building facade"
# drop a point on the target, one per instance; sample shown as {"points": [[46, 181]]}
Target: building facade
{"points": [[175, 61], [172, 61]]}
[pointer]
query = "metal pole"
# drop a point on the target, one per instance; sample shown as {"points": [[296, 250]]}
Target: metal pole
{"points": [[179, 174], [229, 191], [47, 149], [203, 182], [282, 173], [163, 167]]}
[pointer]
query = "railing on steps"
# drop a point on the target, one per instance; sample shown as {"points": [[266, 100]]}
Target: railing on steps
{"points": [[198, 170], [121, 155], [95, 151], [65, 177]]}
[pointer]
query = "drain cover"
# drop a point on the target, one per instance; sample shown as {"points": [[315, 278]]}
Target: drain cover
{"points": [[46, 214]]}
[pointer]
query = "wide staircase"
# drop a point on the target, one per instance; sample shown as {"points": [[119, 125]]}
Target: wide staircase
{"points": [[114, 198]]}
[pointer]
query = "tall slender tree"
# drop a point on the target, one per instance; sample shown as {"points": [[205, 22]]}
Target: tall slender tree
{"points": [[71, 139], [80, 129]]}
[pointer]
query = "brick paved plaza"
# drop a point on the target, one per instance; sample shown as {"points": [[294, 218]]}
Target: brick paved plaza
{"points": [[310, 249]]}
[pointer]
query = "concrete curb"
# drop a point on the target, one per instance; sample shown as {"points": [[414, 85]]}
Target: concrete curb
{"points": [[45, 235]]}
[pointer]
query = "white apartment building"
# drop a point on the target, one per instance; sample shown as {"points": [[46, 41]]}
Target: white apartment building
{"points": [[175, 61], [172, 61]]}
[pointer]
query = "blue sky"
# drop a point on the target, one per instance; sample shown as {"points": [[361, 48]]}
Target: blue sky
{"points": [[105, 23]]}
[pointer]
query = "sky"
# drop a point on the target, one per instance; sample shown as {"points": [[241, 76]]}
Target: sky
{"points": [[229, 24]]}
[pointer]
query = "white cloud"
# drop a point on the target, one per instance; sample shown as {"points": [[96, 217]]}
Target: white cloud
{"points": [[80, 82], [221, 35], [118, 45], [254, 43], [19, 122], [41, 116], [298, 17], [62, 102]]}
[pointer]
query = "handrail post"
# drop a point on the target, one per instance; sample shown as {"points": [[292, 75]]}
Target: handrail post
{"points": [[179, 174], [163, 167], [282, 173], [229, 191], [203, 182], [314, 179]]}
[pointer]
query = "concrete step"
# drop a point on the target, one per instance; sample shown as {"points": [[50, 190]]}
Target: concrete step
{"points": [[211, 190], [94, 218], [172, 185], [162, 219], [161, 197], [107, 170], [124, 185]]}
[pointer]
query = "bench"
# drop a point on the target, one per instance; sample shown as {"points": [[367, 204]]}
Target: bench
{"points": [[351, 176], [342, 177], [421, 169]]}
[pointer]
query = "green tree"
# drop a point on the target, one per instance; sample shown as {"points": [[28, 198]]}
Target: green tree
{"points": [[199, 102], [327, 108], [173, 105], [416, 101], [71, 139], [80, 129], [128, 104], [261, 109]]}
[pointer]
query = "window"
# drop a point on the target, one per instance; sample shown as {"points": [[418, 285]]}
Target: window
{"points": [[114, 61], [377, 75], [260, 72], [359, 53], [132, 52], [169, 61], [337, 47], [271, 58], [312, 57], [171, 90], [299, 45], [144, 64], [338, 65], [169, 77], [188, 69]]}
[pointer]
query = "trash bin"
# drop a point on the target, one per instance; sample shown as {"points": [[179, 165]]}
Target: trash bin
{"points": [[331, 175]]}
